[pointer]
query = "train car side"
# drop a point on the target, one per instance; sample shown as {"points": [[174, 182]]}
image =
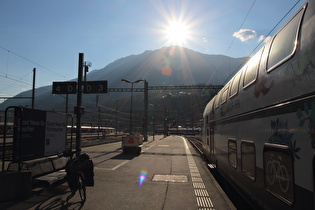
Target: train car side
{"points": [[260, 128], [92, 129]]}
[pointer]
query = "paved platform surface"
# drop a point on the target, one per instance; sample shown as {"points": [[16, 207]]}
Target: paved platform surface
{"points": [[174, 176]]}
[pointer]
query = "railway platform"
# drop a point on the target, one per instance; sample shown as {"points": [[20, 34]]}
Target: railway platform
{"points": [[168, 174]]}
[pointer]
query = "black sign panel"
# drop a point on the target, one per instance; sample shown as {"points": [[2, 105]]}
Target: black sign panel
{"points": [[95, 87], [29, 134], [64, 88]]}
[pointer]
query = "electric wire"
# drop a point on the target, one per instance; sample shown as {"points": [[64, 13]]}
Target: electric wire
{"points": [[259, 44], [254, 50], [189, 112], [33, 62], [250, 9]]}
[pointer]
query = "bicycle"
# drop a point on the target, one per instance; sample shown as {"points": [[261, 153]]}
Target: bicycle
{"points": [[79, 174], [277, 171]]}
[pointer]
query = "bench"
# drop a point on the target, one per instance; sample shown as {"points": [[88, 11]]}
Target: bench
{"points": [[48, 169]]}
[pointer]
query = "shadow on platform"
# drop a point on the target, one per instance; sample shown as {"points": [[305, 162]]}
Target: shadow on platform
{"points": [[47, 199]]}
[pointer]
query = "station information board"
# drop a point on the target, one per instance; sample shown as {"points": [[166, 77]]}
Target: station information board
{"points": [[95, 87], [38, 133], [89, 87], [64, 88]]}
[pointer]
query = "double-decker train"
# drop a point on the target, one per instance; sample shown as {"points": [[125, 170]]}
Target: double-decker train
{"points": [[259, 130]]}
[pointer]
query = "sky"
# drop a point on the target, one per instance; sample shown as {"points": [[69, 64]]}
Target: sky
{"points": [[49, 34]]}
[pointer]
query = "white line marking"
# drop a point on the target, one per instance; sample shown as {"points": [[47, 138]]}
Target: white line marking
{"points": [[112, 169], [202, 196], [186, 146], [148, 147], [123, 163]]}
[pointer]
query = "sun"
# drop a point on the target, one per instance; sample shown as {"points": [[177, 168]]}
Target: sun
{"points": [[177, 33]]}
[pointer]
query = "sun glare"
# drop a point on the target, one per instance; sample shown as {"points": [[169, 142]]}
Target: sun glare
{"points": [[177, 33]]}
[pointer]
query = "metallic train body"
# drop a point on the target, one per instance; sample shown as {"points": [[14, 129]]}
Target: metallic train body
{"points": [[260, 128]]}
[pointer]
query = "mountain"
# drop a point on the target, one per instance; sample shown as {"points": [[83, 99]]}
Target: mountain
{"points": [[169, 66], [166, 66]]}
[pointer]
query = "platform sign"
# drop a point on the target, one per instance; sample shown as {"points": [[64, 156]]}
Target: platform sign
{"points": [[55, 133], [89, 87], [64, 88], [95, 87], [38, 134]]}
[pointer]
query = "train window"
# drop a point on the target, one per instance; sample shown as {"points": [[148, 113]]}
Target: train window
{"points": [[211, 138], [284, 43], [251, 73], [232, 153], [224, 95], [278, 172], [217, 100], [211, 107], [234, 86], [248, 159]]}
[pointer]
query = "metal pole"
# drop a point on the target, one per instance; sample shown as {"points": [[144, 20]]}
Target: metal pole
{"points": [[131, 108], [166, 115], [99, 122], [145, 128], [79, 102], [86, 69], [67, 102], [20, 136], [71, 129], [153, 126], [4, 137], [33, 91], [116, 119], [99, 116], [137, 81]]}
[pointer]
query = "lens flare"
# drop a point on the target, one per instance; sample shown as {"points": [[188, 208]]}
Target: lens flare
{"points": [[166, 70], [171, 51], [142, 177]]}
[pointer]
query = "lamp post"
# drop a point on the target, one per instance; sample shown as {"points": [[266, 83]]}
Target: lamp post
{"points": [[127, 81]]}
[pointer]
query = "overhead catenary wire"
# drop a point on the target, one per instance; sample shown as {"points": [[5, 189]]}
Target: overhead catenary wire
{"points": [[29, 60], [7, 76], [250, 9], [238, 67], [267, 35], [15, 80], [254, 50]]}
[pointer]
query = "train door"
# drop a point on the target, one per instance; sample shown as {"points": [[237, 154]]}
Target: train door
{"points": [[211, 138], [207, 128]]}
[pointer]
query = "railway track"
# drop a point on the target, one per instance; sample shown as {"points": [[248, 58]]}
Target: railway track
{"points": [[196, 142], [86, 140]]}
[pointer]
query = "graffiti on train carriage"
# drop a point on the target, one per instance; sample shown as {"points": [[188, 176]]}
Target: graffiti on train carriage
{"points": [[281, 135], [308, 114], [303, 67]]}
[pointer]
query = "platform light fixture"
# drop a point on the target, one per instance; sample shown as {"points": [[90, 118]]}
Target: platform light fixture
{"points": [[127, 81]]}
